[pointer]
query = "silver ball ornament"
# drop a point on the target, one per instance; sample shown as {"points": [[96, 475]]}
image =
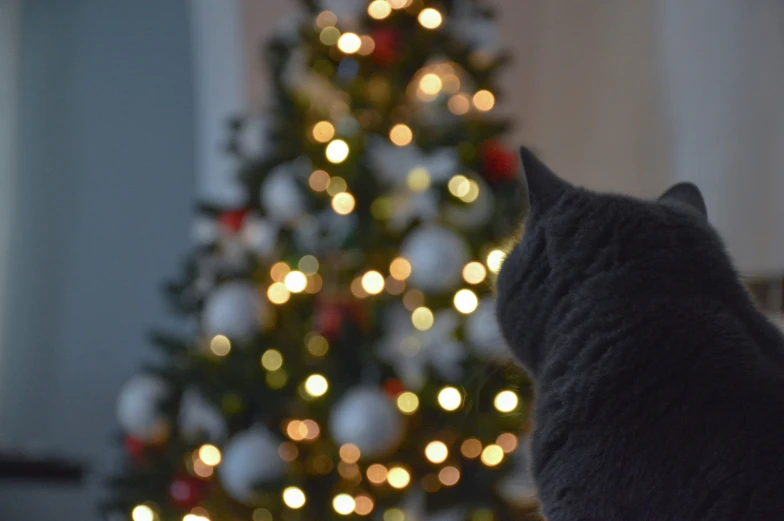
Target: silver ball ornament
{"points": [[365, 417]]}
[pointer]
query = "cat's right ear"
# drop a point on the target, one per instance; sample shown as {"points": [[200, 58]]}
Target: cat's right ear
{"points": [[542, 185], [686, 194]]}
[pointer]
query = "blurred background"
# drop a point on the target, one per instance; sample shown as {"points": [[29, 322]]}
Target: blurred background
{"points": [[111, 113]]}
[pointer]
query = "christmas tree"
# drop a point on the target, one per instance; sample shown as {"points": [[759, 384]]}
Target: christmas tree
{"points": [[342, 357]]}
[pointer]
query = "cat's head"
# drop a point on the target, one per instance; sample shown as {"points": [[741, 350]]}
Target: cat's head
{"points": [[598, 245]]}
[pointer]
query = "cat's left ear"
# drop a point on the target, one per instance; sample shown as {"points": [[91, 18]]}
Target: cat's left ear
{"points": [[686, 194], [543, 186]]}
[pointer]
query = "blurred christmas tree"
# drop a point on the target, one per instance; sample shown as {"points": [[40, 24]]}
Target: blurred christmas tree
{"points": [[345, 360]]}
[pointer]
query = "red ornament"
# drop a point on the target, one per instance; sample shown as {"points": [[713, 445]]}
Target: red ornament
{"points": [[393, 388], [331, 316], [134, 447], [233, 219], [386, 51], [186, 492], [498, 163]]}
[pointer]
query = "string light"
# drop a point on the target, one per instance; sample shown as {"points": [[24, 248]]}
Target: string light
{"points": [[395, 286], [210, 455], [422, 318], [323, 131], [309, 264], [343, 504], [220, 345], [277, 379], [201, 469], [430, 18], [296, 430], [484, 100], [379, 9], [316, 385], [349, 43], [349, 471], [329, 35], [326, 19], [483, 514], [315, 282], [349, 453], [262, 514], [451, 83], [408, 402], [288, 451], [294, 498], [194, 517], [317, 345], [312, 430], [343, 203], [458, 104], [418, 179], [466, 301], [458, 186], [318, 180], [495, 260], [272, 360], [413, 299], [401, 135], [364, 505], [492, 455], [373, 282], [399, 4], [431, 84], [471, 448], [400, 268], [367, 47], [336, 185], [449, 398], [474, 272], [398, 477], [472, 193], [377, 474], [277, 293], [449, 476], [394, 514], [507, 441], [337, 151], [436, 452], [356, 288], [278, 271], [296, 281], [142, 513], [506, 401]]}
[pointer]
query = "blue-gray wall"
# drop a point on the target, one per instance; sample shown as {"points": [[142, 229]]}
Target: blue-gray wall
{"points": [[105, 189]]}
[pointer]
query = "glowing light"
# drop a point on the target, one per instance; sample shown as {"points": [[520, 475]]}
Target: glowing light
{"points": [[379, 9], [296, 430], [492, 455], [430, 18], [459, 186], [349, 471], [326, 19], [315, 282], [382, 208], [436, 452], [472, 193], [507, 441], [194, 517], [484, 100], [449, 476], [277, 293], [400, 268], [408, 402], [459, 104], [431, 84], [329, 35], [317, 346], [319, 180], [337, 151], [210, 455], [272, 360], [377, 473], [356, 288], [323, 131], [495, 259], [288, 451], [471, 448], [451, 83], [308, 264], [367, 47], [394, 514], [466, 301], [506, 401], [373, 282], [349, 43], [296, 281], [418, 179], [398, 477], [364, 505], [142, 513], [422, 318], [349, 453], [401, 135], [343, 504], [336, 185], [449, 398], [413, 299], [294, 497], [395, 286], [399, 4], [262, 514], [316, 385], [279, 270], [474, 272], [201, 469], [277, 379], [312, 430], [343, 203], [220, 345]]}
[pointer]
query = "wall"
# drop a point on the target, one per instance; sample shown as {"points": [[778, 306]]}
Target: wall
{"points": [[102, 216]]}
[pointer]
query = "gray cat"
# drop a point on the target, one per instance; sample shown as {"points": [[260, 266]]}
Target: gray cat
{"points": [[660, 387]]}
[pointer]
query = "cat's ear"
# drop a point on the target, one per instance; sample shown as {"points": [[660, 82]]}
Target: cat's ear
{"points": [[543, 186], [686, 194]]}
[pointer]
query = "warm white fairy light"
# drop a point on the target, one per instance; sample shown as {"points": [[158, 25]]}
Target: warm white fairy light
{"points": [[471, 448], [466, 301], [349, 43], [349, 453], [418, 179], [220, 345], [319, 180], [294, 498], [422, 318], [400, 268], [379, 9], [507, 441], [449, 476], [401, 135], [473, 192], [323, 131], [459, 104], [343, 203], [277, 293], [408, 402], [308, 264], [474, 272], [343, 504], [367, 47], [316, 385], [142, 513], [492, 455], [296, 281], [210, 455], [336, 185], [373, 282], [430, 18], [326, 19], [436, 452], [484, 100], [449, 398], [377, 473], [506, 401], [398, 477], [364, 505], [329, 35], [279, 270], [399, 4], [272, 360], [458, 185], [431, 84], [495, 260], [337, 151]]}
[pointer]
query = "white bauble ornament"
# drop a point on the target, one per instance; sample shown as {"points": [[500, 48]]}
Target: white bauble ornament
{"points": [[249, 459], [234, 309], [200, 420], [281, 198], [139, 408], [437, 256], [260, 235], [366, 418], [483, 333], [254, 136]]}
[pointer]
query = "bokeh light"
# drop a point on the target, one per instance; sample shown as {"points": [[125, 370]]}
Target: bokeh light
{"points": [[449, 398], [401, 135], [422, 318], [492, 455], [294, 498], [506, 401], [349, 43], [343, 203], [316, 385], [436, 452], [343, 504], [474, 272], [495, 259], [337, 151], [430, 18], [323, 131], [398, 477], [220, 345], [484, 100], [466, 301], [408, 402]]}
